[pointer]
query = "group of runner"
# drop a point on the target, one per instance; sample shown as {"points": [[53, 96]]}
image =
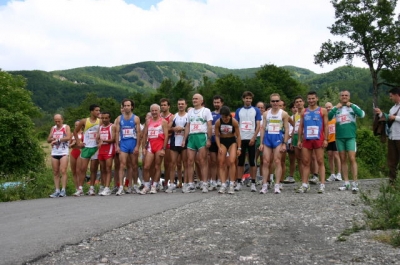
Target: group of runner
{"points": [[211, 145]]}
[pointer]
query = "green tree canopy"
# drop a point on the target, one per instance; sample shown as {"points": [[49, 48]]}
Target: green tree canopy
{"points": [[371, 33]]}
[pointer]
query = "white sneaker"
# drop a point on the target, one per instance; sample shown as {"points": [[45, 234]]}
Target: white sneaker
{"points": [[338, 177], [253, 187], [128, 190], [277, 189], [106, 192], [101, 189], [231, 190], [289, 180], [171, 189], [238, 187], [135, 189], [222, 189], [120, 191], [264, 189], [91, 192], [204, 188], [354, 187], [213, 186], [153, 189], [321, 189], [78, 193], [314, 180], [219, 183], [145, 190], [331, 178]]}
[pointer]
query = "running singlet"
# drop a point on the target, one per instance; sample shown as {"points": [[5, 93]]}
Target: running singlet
{"points": [[296, 120], [106, 134], [226, 128], [177, 137], [274, 123], [313, 124], [155, 131], [62, 148], [90, 133], [198, 119], [127, 128]]}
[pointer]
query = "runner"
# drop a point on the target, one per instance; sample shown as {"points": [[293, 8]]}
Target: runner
{"points": [[249, 119], [156, 132], [275, 134], [73, 159], [218, 102], [127, 135], [345, 113], [106, 145], [333, 154], [59, 137], [299, 104], [169, 117], [89, 152], [199, 128], [177, 151], [227, 136], [292, 157], [313, 136], [262, 107]]}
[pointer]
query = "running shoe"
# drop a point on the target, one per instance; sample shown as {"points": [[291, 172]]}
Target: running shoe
{"points": [[264, 189], [345, 186], [145, 190], [314, 180], [321, 189], [63, 193], [79, 192], [354, 187], [222, 189], [331, 178], [120, 191], [219, 183], [171, 189], [204, 188], [289, 180], [277, 189], [199, 184], [114, 190], [91, 192], [56, 194], [192, 188], [135, 189], [101, 190], [128, 190], [238, 187], [303, 189], [231, 190], [253, 187], [106, 192], [153, 189], [338, 177], [185, 188], [213, 186]]}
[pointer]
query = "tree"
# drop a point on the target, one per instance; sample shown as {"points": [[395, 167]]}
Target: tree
{"points": [[20, 151], [372, 32]]}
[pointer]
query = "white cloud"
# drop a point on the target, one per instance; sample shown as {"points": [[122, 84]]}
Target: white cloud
{"points": [[63, 34]]}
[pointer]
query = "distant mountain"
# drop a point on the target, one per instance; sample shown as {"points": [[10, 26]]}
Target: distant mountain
{"points": [[65, 88]]}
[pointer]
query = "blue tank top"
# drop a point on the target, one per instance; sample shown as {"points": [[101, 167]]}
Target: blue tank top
{"points": [[215, 116], [313, 124], [127, 128]]}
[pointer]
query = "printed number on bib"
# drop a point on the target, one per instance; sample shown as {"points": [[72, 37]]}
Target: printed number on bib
{"points": [[226, 129], [195, 127], [104, 136], [58, 135], [246, 126], [153, 133], [92, 135], [312, 132], [273, 128], [343, 119], [331, 128]]}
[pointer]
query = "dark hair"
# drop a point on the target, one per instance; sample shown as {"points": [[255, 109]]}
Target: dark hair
{"points": [[247, 94], [395, 91], [106, 112], [93, 106], [298, 97], [165, 100], [291, 105], [225, 111], [218, 97], [131, 101], [268, 106], [312, 93], [182, 99]]}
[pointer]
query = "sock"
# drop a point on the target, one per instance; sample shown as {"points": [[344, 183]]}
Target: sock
{"points": [[80, 187], [92, 187], [305, 185], [57, 190], [239, 181], [147, 184], [63, 189], [253, 181]]}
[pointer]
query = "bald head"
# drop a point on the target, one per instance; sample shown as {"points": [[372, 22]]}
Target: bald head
{"points": [[197, 100], [328, 106]]}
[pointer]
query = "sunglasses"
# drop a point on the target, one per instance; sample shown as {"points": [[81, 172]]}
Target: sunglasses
{"points": [[275, 101]]}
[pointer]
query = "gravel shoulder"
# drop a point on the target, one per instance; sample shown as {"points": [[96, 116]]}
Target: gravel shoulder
{"points": [[245, 228]]}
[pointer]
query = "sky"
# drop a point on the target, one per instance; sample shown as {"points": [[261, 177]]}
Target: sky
{"points": [[63, 34]]}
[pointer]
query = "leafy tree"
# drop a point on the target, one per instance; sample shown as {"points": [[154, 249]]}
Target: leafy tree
{"points": [[372, 32], [20, 151]]}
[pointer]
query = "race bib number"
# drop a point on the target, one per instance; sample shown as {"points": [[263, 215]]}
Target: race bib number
{"points": [[331, 128], [58, 135], [153, 133], [92, 135], [296, 127], [128, 133], [246, 126], [273, 128], [104, 135], [312, 132], [195, 127], [344, 118], [213, 130], [225, 129]]}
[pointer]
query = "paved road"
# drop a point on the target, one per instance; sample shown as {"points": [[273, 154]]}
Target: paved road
{"points": [[31, 229]]}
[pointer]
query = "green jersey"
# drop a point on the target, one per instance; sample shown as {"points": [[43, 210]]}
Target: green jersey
{"points": [[346, 126]]}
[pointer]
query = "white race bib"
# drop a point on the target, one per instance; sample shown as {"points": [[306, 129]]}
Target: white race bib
{"points": [[312, 132], [273, 128], [246, 126], [195, 127], [92, 135], [331, 128], [344, 118], [58, 135]]}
